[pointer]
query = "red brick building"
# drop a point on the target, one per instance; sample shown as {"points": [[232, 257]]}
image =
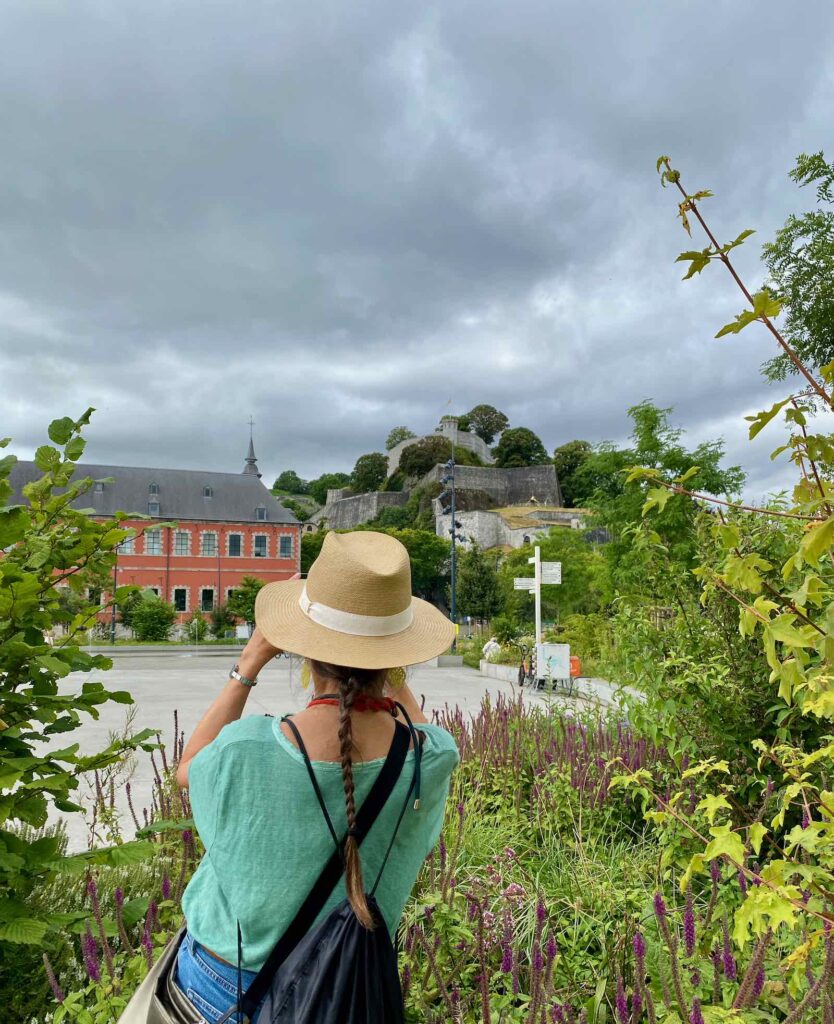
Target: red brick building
{"points": [[228, 525]]}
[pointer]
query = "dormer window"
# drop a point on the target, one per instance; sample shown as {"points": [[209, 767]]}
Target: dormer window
{"points": [[99, 487], [153, 508], [208, 492], [153, 489], [260, 513]]}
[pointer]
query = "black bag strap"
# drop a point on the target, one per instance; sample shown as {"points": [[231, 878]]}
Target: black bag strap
{"points": [[331, 873], [313, 779]]}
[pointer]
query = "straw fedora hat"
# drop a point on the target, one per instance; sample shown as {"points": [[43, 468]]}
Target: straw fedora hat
{"points": [[355, 608]]}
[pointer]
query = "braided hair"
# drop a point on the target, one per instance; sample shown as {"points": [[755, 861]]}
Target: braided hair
{"points": [[352, 682]]}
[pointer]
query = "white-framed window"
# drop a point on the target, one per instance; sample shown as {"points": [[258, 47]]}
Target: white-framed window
{"points": [[180, 596], [153, 508], [208, 544], [154, 591], [153, 542], [182, 542], [235, 544], [285, 546], [206, 599], [260, 544], [208, 492], [260, 513], [153, 489], [98, 487], [126, 546], [229, 593]]}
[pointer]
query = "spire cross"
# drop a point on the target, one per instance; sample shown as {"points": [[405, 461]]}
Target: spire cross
{"points": [[251, 424]]}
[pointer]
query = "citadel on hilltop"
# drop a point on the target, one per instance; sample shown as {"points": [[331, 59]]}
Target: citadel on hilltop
{"points": [[497, 507]]}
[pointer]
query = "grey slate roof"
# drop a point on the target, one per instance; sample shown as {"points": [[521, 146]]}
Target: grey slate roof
{"points": [[235, 496]]}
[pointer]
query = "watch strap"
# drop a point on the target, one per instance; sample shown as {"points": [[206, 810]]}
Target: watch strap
{"points": [[235, 674]]}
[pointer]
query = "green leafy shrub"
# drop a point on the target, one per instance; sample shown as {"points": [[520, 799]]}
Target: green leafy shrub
{"points": [[153, 619]]}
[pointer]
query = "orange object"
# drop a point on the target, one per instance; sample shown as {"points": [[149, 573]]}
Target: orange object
{"points": [[575, 666]]}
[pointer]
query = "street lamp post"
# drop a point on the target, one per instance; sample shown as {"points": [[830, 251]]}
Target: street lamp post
{"points": [[449, 479], [113, 605]]}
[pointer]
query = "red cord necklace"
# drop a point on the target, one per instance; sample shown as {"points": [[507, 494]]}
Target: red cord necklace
{"points": [[362, 702]]}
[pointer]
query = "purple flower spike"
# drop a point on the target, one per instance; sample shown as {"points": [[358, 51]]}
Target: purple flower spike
{"points": [[696, 1017], [550, 949], [715, 870], [119, 898], [758, 983], [742, 881], [621, 1002], [728, 960], [166, 886], [806, 817], [507, 960], [53, 981], [689, 925], [541, 912], [90, 951], [639, 945], [659, 906]]}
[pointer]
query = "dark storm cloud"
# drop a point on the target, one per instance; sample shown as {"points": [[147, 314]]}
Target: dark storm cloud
{"points": [[337, 218]]}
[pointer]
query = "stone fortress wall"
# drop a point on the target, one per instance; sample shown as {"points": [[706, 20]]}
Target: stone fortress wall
{"points": [[449, 429], [538, 484]]}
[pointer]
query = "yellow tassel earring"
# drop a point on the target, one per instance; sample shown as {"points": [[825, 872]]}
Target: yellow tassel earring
{"points": [[396, 678], [306, 674]]}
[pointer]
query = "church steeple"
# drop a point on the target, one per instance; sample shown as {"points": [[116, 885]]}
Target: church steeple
{"points": [[251, 467]]}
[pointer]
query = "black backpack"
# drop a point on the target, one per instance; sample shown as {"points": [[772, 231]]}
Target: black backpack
{"points": [[339, 972]]}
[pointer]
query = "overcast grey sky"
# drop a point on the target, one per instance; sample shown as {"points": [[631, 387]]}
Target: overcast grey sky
{"points": [[337, 217]]}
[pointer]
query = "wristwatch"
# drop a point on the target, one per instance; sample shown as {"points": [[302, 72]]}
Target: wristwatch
{"points": [[234, 674]]}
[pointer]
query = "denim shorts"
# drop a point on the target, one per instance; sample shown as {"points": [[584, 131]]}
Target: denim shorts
{"points": [[209, 983]]}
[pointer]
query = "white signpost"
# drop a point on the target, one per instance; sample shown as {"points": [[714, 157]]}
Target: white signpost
{"points": [[552, 658]]}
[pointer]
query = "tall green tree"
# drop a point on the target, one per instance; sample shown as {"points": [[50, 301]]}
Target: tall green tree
{"points": [[370, 472], [418, 458], [568, 460], [519, 447], [241, 602], [429, 556], [619, 508], [290, 481], [319, 487], [800, 262], [397, 436], [310, 547], [484, 420], [479, 592]]}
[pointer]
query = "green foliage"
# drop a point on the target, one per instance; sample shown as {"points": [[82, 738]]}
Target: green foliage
{"points": [[397, 436], [369, 473], [568, 460], [310, 547], [301, 513], [619, 507], [429, 555], [586, 582], [290, 482], [519, 447], [485, 421], [800, 262], [774, 566], [153, 619], [48, 546], [195, 627], [319, 487], [222, 620], [417, 459], [241, 602], [478, 587]]}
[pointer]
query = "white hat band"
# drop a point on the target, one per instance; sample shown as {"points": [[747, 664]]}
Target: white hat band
{"points": [[355, 625]]}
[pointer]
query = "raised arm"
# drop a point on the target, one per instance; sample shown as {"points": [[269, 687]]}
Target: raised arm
{"points": [[229, 704]]}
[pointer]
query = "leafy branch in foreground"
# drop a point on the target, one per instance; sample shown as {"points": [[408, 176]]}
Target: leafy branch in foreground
{"points": [[49, 549]]}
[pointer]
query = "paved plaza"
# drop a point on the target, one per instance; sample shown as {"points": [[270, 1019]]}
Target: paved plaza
{"points": [[187, 682]]}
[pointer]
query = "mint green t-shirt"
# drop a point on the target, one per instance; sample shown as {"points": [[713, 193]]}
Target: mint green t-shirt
{"points": [[266, 839]]}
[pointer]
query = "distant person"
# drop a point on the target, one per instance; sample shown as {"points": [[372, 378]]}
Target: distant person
{"points": [[272, 798], [491, 649]]}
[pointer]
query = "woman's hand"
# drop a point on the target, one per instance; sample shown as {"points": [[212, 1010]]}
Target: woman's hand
{"points": [[257, 652]]}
